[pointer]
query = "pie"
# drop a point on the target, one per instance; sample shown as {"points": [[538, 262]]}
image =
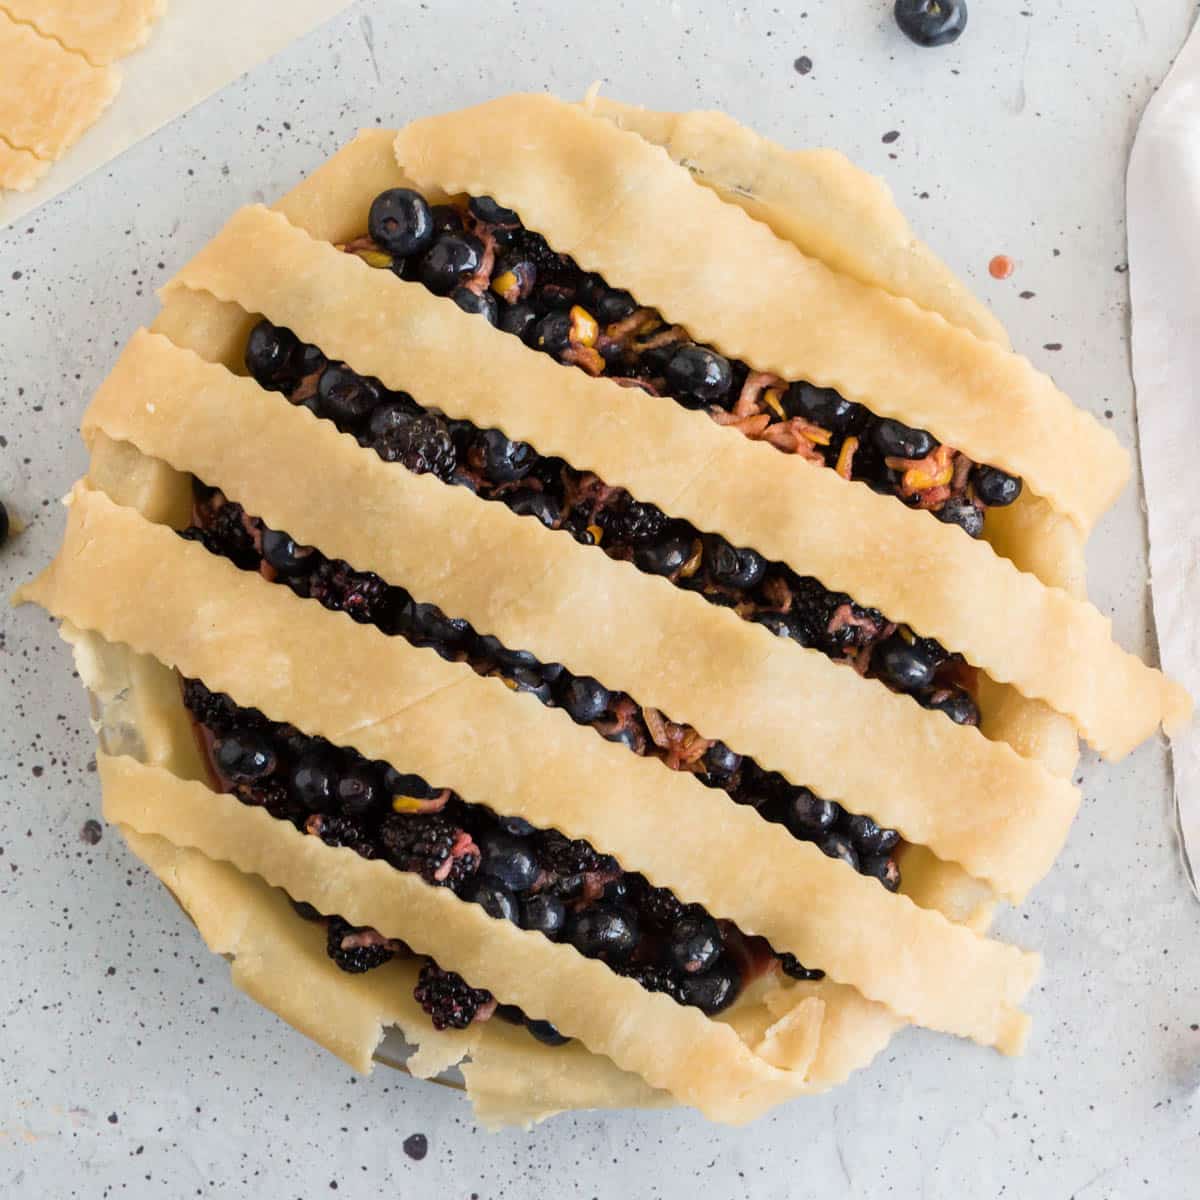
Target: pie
{"points": [[587, 587]]}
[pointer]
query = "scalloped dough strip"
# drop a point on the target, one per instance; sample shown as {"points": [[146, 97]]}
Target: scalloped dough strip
{"points": [[101, 30], [48, 95], [945, 585], [569, 603], [331, 677], [700, 1062], [619, 206], [20, 169], [817, 199]]}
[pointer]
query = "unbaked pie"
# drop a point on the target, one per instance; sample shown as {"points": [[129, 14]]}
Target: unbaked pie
{"points": [[587, 587]]}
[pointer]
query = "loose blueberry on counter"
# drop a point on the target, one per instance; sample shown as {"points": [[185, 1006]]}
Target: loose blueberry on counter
{"points": [[901, 441], [958, 510], [714, 990], [545, 913], [700, 372], [450, 260], [477, 303], [822, 406], [931, 22], [281, 552], [346, 397], [695, 943], [605, 933], [400, 222], [904, 665], [496, 901], [245, 756], [994, 487], [508, 861]]}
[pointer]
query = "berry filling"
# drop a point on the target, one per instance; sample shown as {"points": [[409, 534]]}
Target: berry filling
{"points": [[578, 502], [537, 878], [223, 527], [487, 262]]}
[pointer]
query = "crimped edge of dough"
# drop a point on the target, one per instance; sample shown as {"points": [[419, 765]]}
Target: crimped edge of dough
{"points": [[568, 603], [1043, 641], [100, 52]]}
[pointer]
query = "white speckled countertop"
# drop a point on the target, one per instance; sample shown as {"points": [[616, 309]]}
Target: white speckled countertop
{"points": [[128, 1064]]}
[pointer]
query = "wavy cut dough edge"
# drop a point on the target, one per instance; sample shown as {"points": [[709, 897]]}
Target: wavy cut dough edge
{"points": [[276, 652], [728, 678], [700, 1062], [1043, 641], [619, 205], [817, 199], [101, 30]]}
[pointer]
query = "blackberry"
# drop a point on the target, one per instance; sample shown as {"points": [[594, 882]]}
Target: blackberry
{"points": [[214, 710], [424, 842], [353, 959], [339, 831], [227, 533], [789, 964], [422, 444], [659, 908], [361, 594], [535, 249], [447, 998], [654, 978], [812, 609], [632, 521], [569, 856]]}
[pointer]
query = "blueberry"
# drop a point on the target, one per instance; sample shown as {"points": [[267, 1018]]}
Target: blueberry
{"points": [[510, 1013], [836, 846], [496, 901], [270, 355], [427, 625], [552, 333], [931, 22], [585, 699], [505, 461], [822, 406], [493, 648], [959, 707], [398, 783], [545, 1032], [313, 780], [477, 303], [869, 837], [346, 397], [528, 503], [700, 372], [780, 624], [518, 319], [807, 815], [882, 867], [507, 860], [994, 487], [391, 416], [731, 566], [713, 991], [665, 554], [446, 219], [358, 789], [484, 208], [958, 510], [606, 933], [282, 553], [904, 665], [246, 756], [450, 260], [613, 305], [516, 826], [720, 763], [400, 222], [544, 912], [789, 964], [695, 943], [895, 440]]}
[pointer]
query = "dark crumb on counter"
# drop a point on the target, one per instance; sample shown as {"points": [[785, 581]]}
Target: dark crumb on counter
{"points": [[91, 832], [1052, 346], [891, 136], [803, 65]]}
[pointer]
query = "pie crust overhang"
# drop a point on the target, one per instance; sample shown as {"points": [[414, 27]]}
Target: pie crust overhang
{"points": [[603, 187]]}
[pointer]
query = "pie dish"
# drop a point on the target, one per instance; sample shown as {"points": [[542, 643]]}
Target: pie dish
{"points": [[585, 586]]}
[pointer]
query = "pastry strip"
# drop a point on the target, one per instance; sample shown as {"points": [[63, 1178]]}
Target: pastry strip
{"points": [[817, 199], [944, 584], [569, 603], [353, 685], [20, 169], [101, 30], [48, 95], [701, 1062], [619, 206]]}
